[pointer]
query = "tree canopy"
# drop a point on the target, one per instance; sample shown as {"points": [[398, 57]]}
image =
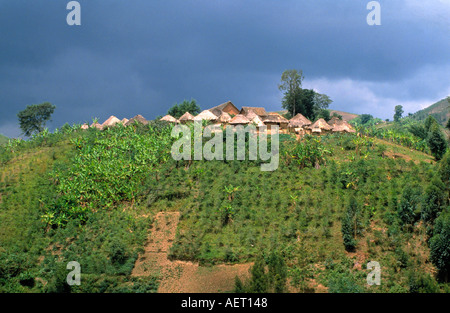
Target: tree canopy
{"points": [[298, 100], [291, 83], [398, 113], [437, 142], [186, 106], [33, 119]]}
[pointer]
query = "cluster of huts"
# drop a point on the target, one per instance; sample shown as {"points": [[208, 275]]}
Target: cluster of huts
{"points": [[112, 120], [227, 114]]}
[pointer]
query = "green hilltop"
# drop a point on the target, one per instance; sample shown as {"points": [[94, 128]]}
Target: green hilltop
{"points": [[3, 139], [439, 110]]}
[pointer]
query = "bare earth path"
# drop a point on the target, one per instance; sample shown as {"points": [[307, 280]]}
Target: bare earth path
{"points": [[179, 276]]}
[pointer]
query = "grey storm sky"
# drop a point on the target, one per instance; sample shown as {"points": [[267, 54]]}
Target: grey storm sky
{"points": [[140, 57]]}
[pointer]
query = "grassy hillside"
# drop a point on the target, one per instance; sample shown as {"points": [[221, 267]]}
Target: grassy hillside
{"points": [[3, 139], [440, 111], [334, 204]]}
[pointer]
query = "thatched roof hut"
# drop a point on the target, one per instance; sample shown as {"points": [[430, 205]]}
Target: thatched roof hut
{"points": [[138, 118], [250, 114], [276, 119], [256, 120], [224, 118], [227, 107], [341, 126], [261, 112], [299, 121], [320, 126], [239, 120], [170, 119], [334, 120], [111, 121], [186, 117], [96, 125], [206, 115]]}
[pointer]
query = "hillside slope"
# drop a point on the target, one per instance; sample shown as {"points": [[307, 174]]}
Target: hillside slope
{"points": [[439, 110], [3, 139], [115, 200], [345, 115]]}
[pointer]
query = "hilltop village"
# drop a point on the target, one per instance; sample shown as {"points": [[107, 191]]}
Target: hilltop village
{"points": [[228, 114]]}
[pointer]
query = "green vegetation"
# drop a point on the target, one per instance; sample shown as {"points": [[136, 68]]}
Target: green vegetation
{"points": [[437, 142], [186, 106], [3, 139], [32, 119], [350, 225], [108, 169], [305, 101], [440, 245], [335, 203], [426, 136], [398, 113], [267, 275], [439, 110]]}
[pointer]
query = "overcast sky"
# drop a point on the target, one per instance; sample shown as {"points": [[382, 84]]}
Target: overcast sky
{"points": [[133, 57]]}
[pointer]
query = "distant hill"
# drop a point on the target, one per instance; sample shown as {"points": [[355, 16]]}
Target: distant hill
{"points": [[345, 115], [3, 139], [440, 111]]}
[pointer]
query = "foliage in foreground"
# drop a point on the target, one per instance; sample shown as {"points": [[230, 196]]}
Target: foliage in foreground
{"points": [[108, 168]]}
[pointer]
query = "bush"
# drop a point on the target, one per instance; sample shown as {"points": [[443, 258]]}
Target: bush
{"points": [[444, 170], [422, 283], [410, 203], [437, 142], [440, 245], [350, 224], [259, 282], [434, 200], [343, 283]]}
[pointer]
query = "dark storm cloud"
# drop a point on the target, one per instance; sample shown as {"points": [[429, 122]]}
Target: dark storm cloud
{"points": [[140, 57]]}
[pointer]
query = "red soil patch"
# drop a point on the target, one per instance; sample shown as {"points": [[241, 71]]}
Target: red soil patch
{"points": [[179, 276]]}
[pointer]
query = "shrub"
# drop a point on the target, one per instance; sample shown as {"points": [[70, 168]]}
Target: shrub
{"points": [[409, 205], [434, 200], [343, 283], [437, 142], [259, 282], [422, 283], [350, 223], [440, 245]]}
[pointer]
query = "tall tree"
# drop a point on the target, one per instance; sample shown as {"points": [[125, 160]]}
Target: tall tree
{"points": [[291, 83], [307, 107], [34, 117], [398, 113], [321, 101]]}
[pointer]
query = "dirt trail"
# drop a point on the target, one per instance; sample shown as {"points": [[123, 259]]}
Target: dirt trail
{"points": [[179, 276]]}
